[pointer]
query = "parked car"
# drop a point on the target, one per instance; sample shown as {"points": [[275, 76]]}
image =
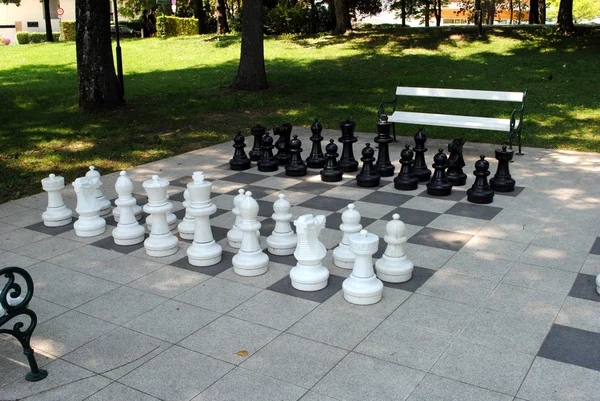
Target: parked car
{"points": [[124, 32]]}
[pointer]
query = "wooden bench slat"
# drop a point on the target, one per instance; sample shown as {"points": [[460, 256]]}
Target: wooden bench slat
{"points": [[447, 120], [460, 94]]}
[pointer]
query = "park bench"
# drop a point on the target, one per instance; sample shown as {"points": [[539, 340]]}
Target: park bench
{"points": [[512, 126], [14, 302]]}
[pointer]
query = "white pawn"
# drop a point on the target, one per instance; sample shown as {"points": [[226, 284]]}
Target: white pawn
{"points": [[188, 224], [56, 214], [342, 255], [128, 231], [363, 287], [598, 283], [309, 274], [394, 266], [161, 241], [204, 250], [104, 203], [250, 259], [234, 235], [137, 209], [89, 223], [283, 240]]}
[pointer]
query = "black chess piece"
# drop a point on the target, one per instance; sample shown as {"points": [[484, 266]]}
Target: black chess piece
{"points": [[347, 162], [316, 159], [384, 166], [267, 161], [331, 172], [439, 184], [502, 181], [455, 174], [296, 166], [284, 131], [258, 131], [368, 176], [420, 169], [240, 161], [405, 180], [481, 192]]}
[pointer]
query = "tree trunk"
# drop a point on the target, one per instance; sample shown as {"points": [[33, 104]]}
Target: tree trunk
{"points": [[438, 15], [201, 15], [542, 11], [403, 3], [49, 37], [490, 11], [251, 73], [342, 17], [98, 85], [534, 12], [565, 17], [478, 18], [221, 15], [511, 7], [426, 12]]}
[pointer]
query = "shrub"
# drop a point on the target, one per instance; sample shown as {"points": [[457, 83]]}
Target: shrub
{"points": [[67, 30], [174, 26], [22, 38], [37, 37]]}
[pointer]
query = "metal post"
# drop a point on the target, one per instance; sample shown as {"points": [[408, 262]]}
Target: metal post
{"points": [[119, 58]]}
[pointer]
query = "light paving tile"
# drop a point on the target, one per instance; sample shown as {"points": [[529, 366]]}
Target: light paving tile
{"points": [[580, 313], [48, 248], [121, 305], [45, 310], [554, 258], [314, 396], [276, 182], [10, 208], [23, 219], [78, 289], [76, 391], [295, 198], [370, 210], [71, 235], [124, 269], [439, 388], [458, 288], [428, 204], [479, 265], [378, 227], [460, 224], [181, 253], [410, 346], [534, 304], [517, 232], [17, 238], [346, 192], [14, 259], [276, 272], [44, 274], [218, 295], [176, 374], [553, 237], [295, 360], [359, 377], [540, 278], [117, 391], [228, 339], [392, 298], [502, 249], [169, 281], [84, 258], [590, 266], [428, 257], [484, 366], [557, 381], [273, 309], [172, 321], [13, 363]]}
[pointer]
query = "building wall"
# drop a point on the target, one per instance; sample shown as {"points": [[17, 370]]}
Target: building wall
{"points": [[31, 12]]}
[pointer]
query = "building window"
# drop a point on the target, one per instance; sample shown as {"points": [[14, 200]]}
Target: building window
{"points": [[33, 24]]}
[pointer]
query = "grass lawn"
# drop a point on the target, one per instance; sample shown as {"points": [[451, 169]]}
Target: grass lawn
{"points": [[178, 100]]}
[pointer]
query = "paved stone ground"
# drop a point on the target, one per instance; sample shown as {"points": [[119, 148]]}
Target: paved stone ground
{"points": [[502, 305]]}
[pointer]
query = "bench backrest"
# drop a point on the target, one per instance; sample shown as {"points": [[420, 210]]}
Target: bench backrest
{"points": [[460, 94]]}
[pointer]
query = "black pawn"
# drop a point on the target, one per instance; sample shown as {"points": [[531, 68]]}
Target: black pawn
{"points": [[316, 159], [455, 174], [240, 161], [258, 131], [267, 162], [481, 192], [502, 181], [368, 176], [296, 166], [332, 172], [283, 143], [405, 180], [347, 162], [384, 166], [439, 184], [420, 169]]}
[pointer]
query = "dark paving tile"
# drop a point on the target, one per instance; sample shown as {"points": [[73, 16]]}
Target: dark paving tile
{"points": [[381, 249], [178, 197], [386, 198], [353, 183], [110, 220], [268, 225], [284, 286], [289, 260], [41, 228], [315, 188], [596, 247], [325, 203], [183, 181], [224, 166], [455, 195], [219, 233], [180, 214], [516, 192], [335, 219], [309, 173], [412, 216], [419, 277], [257, 192], [213, 270], [474, 211], [572, 346], [244, 178], [440, 239], [265, 208], [109, 243], [584, 287]]}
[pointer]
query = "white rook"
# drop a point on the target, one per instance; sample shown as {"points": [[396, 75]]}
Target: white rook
{"points": [[309, 274], [161, 241], [394, 266], [363, 287], [56, 214]]}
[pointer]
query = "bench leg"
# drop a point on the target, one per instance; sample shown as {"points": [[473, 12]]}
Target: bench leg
{"points": [[24, 337], [36, 373]]}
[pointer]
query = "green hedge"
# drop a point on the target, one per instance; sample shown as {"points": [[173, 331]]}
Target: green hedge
{"points": [[67, 30], [22, 38], [25, 37], [174, 26]]}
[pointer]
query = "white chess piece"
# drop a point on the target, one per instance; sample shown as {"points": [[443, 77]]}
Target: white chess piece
{"points": [[309, 274], [234, 235], [137, 209], [363, 287], [104, 203], [598, 283], [128, 231], [171, 221], [250, 259], [56, 214], [89, 223], [161, 241], [342, 255], [188, 224], [394, 266], [204, 251], [283, 240]]}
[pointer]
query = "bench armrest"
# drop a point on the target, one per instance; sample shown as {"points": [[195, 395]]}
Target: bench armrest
{"points": [[11, 297], [381, 109]]}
